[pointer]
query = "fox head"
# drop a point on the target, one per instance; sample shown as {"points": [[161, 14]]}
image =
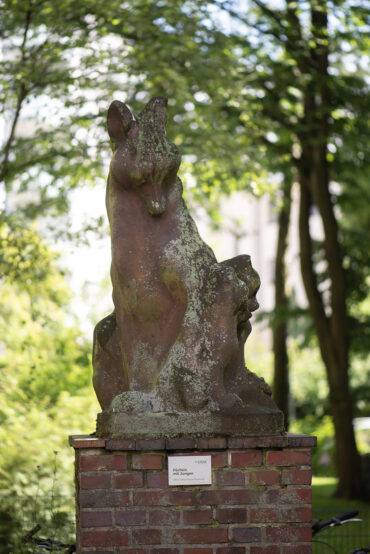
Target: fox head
{"points": [[143, 157]]}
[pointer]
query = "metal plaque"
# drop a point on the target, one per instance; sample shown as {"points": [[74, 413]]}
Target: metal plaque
{"points": [[189, 470]]}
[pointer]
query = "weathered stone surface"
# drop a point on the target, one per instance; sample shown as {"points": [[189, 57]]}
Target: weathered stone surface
{"points": [[170, 358], [121, 424]]}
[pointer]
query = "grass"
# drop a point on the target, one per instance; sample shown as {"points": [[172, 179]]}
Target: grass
{"points": [[342, 539], [322, 496]]}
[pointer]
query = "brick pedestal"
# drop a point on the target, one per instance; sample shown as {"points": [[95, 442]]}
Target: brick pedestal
{"points": [[259, 501]]}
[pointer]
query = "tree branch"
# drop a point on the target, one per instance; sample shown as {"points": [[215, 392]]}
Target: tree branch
{"points": [[21, 96], [238, 17], [296, 38], [270, 13]]}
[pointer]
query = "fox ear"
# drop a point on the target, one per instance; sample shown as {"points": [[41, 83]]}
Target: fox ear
{"points": [[155, 112], [119, 121]]}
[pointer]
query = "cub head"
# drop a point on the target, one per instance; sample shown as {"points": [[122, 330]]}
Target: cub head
{"points": [[143, 158]]}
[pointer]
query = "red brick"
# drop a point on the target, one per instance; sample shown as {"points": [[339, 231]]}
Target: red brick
{"points": [[164, 517], [288, 458], [129, 517], [120, 444], [230, 497], [283, 515], [164, 498], [212, 443], [269, 441], [231, 550], [131, 550], [288, 534], [246, 458], [231, 515], [96, 518], [264, 477], [164, 551], [296, 477], [180, 444], [104, 551], [197, 517], [246, 534], [270, 549], [147, 461], [289, 496], [146, 536], [150, 444], [200, 536], [196, 550], [157, 480], [229, 478], [95, 480], [107, 537], [297, 549], [130, 480], [272, 441], [242, 442], [219, 459], [103, 462], [103, 498], [296, 441]]}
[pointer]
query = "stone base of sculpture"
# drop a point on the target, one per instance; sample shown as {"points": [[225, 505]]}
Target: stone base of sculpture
{"points": [[139, 414], [250, 421], [257, 415]]}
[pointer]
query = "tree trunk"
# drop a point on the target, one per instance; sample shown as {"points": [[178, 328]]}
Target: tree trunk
{"points": [[279, 329], [330, 319], [348, 460]]}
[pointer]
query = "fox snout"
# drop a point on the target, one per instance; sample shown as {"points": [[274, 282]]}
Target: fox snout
{"points": [[156, 208], [154, 198]]}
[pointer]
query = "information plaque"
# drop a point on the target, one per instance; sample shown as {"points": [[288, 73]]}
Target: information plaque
{"points": [[189, 470]]}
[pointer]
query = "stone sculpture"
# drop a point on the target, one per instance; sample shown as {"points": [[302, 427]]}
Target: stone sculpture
{"points": [[170, 358]]}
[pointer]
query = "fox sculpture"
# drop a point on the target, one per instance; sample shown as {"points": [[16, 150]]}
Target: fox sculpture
{"points": [[175, 340]]}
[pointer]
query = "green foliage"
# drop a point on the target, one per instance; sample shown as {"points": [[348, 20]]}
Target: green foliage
{"points": [[360, 378], [41, 356], [308, 383], [40, 406], [45, 390], [323, 456], [36, 465], [41, 352], [27, 261]]}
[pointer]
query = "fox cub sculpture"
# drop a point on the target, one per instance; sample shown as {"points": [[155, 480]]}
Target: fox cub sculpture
{"points": [[175, 341]]}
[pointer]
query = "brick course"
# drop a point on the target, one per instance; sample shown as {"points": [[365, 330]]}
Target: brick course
{"points": [[259, 501]]}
